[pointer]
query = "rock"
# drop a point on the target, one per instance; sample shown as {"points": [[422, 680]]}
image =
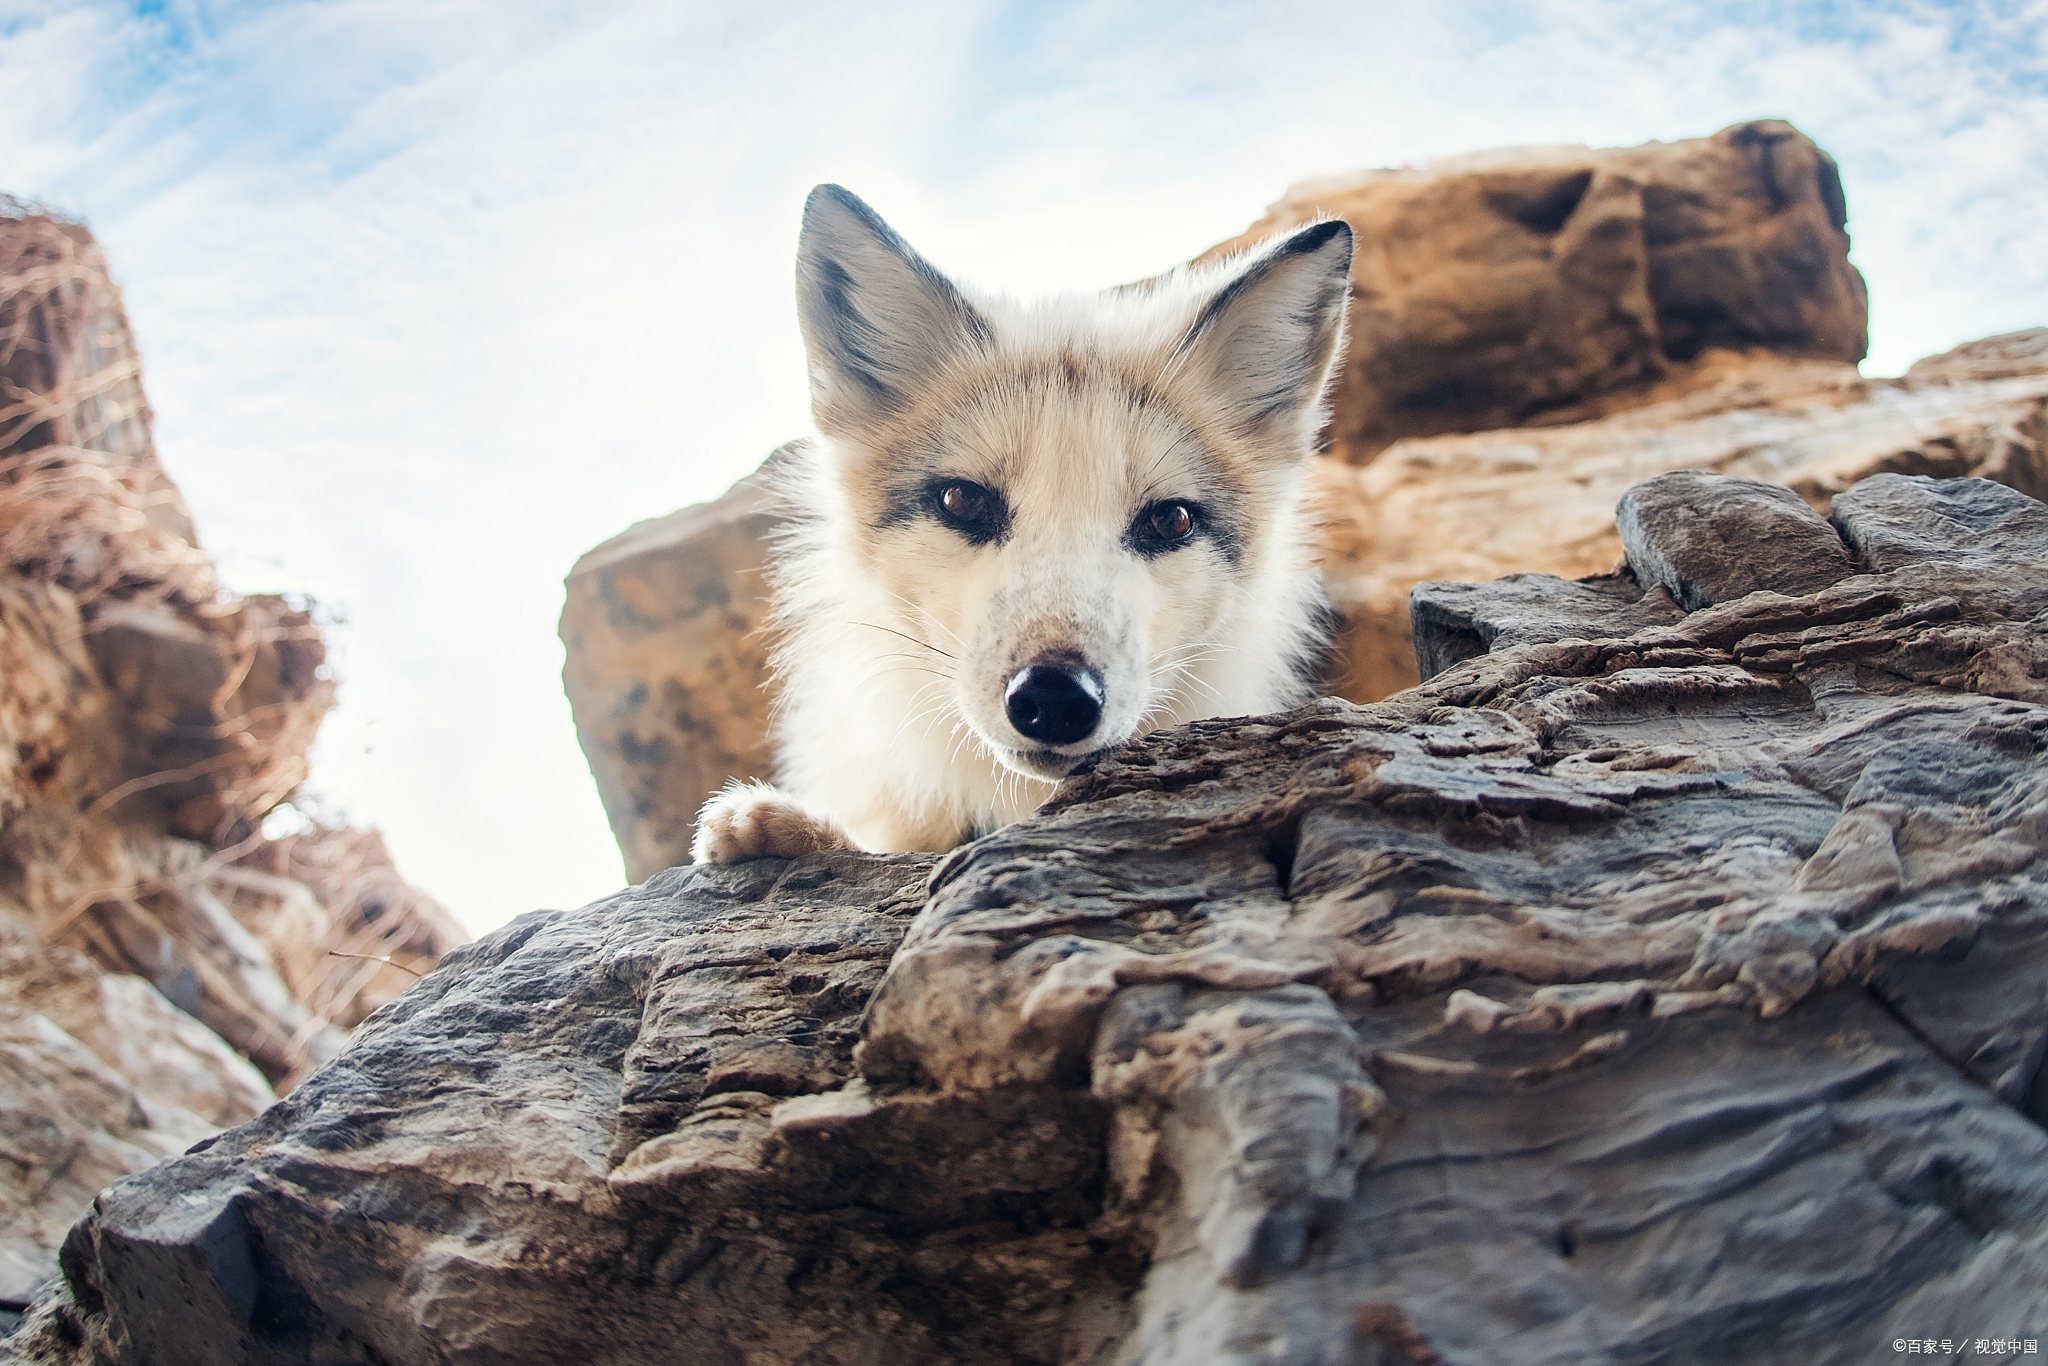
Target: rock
{"points": [[1650, 997], [151, 937], [1706, 538], [327, 890], [1503, 286], [1891, 522], [99, 1077], [2011, 355], [667, 666], [1542, 499], [84, 501], [1455, 621], [219, 706]]}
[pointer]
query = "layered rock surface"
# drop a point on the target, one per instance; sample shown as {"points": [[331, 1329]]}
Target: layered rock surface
{"points": [[1542, 499], [1533, 331], [162, 963], [1666, 988]]}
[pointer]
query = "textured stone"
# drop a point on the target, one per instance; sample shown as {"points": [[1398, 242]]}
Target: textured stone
{"points": [[84, 500], [1707, 538], [667, 666], [1498, 287], [148, 724], [99, 1077], [1475, 507], [1659, 997], [1891, 521], [2006, 356], [1455, 621]]}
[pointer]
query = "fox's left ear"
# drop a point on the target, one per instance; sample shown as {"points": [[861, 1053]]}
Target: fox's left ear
{"points": [[1265, 343]]}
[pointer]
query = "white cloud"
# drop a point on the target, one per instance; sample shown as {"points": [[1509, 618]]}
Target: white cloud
{"points": [[434, 296]]}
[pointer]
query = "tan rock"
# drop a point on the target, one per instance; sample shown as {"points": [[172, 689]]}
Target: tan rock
{"points": [[152, 942], [665, 629], [165, 1054], [346, 931], [1496, 288], [1477, 506], [100, 1077], [83, 499]]}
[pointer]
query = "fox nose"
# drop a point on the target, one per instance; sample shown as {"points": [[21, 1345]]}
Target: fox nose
{"points": [[1054, 704]]}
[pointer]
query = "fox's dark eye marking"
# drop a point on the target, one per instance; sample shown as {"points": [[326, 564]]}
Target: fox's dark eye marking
{"points": [[974, 510], [1165, 525]]}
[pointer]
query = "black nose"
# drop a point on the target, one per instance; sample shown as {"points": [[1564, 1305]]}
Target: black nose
{"points": [[1054, 704]]}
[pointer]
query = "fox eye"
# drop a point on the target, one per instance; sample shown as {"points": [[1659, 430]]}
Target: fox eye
{"points": [[964, 502], [973, 510], [1171, 521], [1167, 523]]}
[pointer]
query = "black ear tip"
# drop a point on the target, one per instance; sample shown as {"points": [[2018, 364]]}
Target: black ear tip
{"points": [[1321, 234]]}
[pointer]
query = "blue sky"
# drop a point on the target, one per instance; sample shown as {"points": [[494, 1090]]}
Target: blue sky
{"points": [[435, 295]]}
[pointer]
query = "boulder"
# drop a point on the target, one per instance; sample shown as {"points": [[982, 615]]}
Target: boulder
{"points": [[100, 1076], [1541, 499], [84, 500], [1500, 287], [665, 632], [1668, 992]]}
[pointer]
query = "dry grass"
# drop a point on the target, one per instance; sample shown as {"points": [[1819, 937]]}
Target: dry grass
{"points": [[83, 501], [193, 709], [381, 932]]}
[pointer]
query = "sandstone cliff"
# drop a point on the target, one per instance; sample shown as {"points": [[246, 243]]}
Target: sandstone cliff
{"points": [[162, 964], [1532, 332], [1662, 989]]}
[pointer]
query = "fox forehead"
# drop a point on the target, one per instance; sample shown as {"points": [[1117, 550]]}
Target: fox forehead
{"points": [[1065, 433]]}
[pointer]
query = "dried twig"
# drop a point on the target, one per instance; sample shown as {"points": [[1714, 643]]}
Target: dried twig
{"points": [[376, 958]]}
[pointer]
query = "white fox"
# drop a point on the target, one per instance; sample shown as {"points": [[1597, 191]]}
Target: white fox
{"points": [[1030, 532]]}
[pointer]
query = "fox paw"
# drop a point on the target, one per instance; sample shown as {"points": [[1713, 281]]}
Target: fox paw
{"points": [[753, 820]]}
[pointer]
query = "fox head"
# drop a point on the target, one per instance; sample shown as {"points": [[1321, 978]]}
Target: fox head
{"points": [[1084, 511]]}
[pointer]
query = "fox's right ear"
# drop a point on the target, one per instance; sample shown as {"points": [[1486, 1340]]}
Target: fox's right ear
{"points": [[878, 319]]}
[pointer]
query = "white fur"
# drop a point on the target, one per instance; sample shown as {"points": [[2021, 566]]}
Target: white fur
{"points": [[899, 636]]}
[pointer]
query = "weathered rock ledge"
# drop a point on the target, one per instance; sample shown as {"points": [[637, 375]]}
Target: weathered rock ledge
{"points": [[1661, 981]]}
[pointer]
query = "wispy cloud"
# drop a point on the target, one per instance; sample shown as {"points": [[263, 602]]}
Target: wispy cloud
{"points": [[436, 295]]}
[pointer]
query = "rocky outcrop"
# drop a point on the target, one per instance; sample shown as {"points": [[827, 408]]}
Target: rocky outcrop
{"points": [[1658, 982], [1492, 289], [101, 1076], [1533, 331], [1542, 498], [153, 943]]}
